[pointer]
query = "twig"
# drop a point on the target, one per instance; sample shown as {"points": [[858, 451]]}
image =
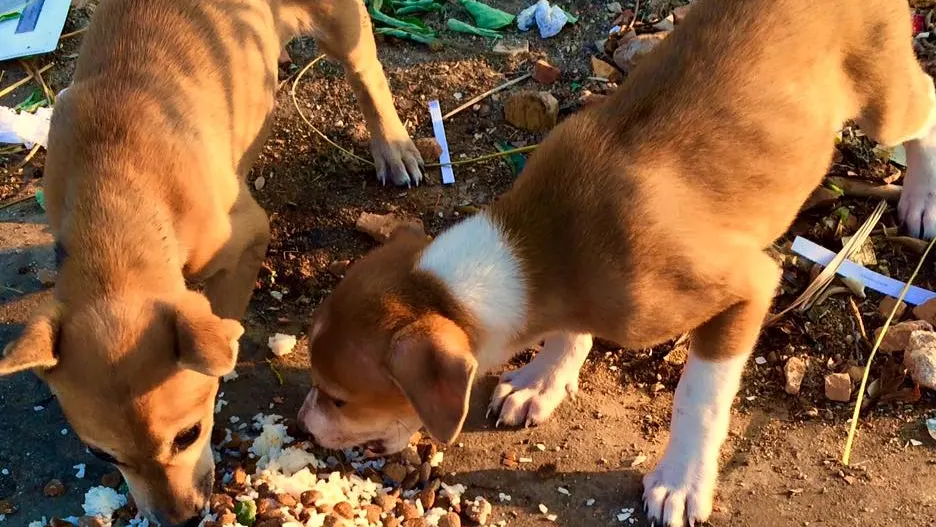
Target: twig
{"points": [[815, 289], [486, 157], [73, 33], [30, 155], [861, 189], [630, 25], [857, 314], [487, 94], [10, 203], [4, 92], [50, 97], [846, 455], [276, 372]]}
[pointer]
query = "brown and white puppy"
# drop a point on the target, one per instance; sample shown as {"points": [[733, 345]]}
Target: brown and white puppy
{"points": [[145, 187], [638, 219]]}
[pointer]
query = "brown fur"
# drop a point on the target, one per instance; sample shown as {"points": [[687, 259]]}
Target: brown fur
{"points": [[145, 187], [646, 216]]}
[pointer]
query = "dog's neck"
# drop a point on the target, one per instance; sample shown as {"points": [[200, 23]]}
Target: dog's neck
{"points": [[480, 267], [141, 255]]}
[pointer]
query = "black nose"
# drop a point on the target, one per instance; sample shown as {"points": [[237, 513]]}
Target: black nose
{"points": [[192, 522]]}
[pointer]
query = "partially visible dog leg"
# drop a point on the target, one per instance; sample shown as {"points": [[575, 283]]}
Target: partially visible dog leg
{"points": [[230, 288], [682, 486], [529, 395], [342, 28]]}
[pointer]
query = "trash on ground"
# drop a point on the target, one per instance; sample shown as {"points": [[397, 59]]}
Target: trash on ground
{"points": [[281, 344], [438, 129], [24, 127], [31, 28], [549, 19]]}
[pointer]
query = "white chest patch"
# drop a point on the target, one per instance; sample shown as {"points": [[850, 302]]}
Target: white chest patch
{"points": [[475, 260]]}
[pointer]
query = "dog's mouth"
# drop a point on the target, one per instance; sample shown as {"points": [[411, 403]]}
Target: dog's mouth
{"points": [[374, 448]]}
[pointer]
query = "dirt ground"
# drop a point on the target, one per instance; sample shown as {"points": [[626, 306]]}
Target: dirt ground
{"points": [[780, 465]]}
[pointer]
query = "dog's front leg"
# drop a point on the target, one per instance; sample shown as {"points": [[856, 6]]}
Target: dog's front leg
{"points": [[342, 28], [529, 395], [682, 485]]}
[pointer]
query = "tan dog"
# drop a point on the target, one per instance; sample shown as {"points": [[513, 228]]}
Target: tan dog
{"points": [[145, 187], [638, 220]]}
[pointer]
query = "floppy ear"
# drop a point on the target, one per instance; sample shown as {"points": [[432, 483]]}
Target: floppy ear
{"points": [[35, 347], [432, 363], [206, 342]]}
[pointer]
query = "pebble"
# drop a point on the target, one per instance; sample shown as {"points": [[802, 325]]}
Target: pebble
{"points": [[511, 49], [794, 370], [260, 182], [344, 509], [429, 148], [589, 502], [887, 305], [338, 267], [920, 359], [897, 337], [54, 488], [450, 520], [543, 509], [760, 361], [427, 497], [602, 69], [541, 447], [545, 73], [478, 511], [395, 472], [309, 497], [926, 311], [838, 387], [532, 111], [564, 491]]}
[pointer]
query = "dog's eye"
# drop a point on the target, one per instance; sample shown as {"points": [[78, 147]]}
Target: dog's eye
{"points": [[339, 403], [186, 438], [102, 455]]}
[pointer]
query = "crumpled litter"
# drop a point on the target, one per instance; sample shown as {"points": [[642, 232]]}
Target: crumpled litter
{"points": [[549, 19], [24, 127]]}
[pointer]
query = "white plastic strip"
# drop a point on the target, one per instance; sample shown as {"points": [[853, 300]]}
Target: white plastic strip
{"points": [[435, 112], [878, 282]]}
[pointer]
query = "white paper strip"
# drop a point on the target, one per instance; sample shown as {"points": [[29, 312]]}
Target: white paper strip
{"points": [[435, 112]]}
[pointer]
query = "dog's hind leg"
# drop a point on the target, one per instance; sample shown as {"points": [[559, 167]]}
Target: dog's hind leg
{"points": [[342, 28], [229, 289], [682, 485], [529, 395]]}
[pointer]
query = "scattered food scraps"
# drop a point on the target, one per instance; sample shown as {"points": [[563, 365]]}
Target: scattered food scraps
{"points": [[281, 344]]}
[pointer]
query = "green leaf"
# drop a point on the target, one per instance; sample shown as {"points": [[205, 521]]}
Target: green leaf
{"points": [[516, 161], [377, 5], [399, 24], [246, 512], [487, 17], [10, 16], [35, 100], [570, 17], [40, 198], [415, 7], [406, 35], [461, 27]]}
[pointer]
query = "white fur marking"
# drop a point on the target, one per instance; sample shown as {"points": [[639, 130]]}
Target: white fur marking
{"points": [[917, 206], [476, 262], [529, 395], [683, 483]]}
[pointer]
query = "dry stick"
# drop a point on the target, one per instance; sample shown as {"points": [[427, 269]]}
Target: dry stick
{"points": [[73, 33], [825, 277], [23, 81], [487, 94], [846, 455], [861, 189], [50, 97], [292, 93], [630, 25], [857, 314], [30, 155]]}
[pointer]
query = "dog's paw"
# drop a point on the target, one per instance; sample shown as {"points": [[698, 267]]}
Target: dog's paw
{"points": [[528, 396], [679, 490], [396, 158], [917, 206]]}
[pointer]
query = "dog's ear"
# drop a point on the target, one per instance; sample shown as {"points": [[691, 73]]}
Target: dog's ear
{"points": [[35, 347], [432, 363], [206, 343]]}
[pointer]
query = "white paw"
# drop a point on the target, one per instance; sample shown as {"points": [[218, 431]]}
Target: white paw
{"points": [[528, 396], [396, 156], [917, 207], [680, 489]]}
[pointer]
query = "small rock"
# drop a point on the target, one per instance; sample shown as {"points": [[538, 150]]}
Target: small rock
{"points": [[897, 337], [667, 24], [794, 370], [113, 480], [429, 148], [450, 520], [545, 73], [407, 510], [838, 387], [920, 359], [338, 267], [410, 481], [380, 227], [309, 497], [386, 502], [615, 8], [46, 277], [478, 511], [926, 311], [344, 510], [54, 488], [411, 456], [511, 48], [628, 54], [395, 472], [532, 111], [679, 14], [372, 513], [90, 521], [427, 497], [604, 70], [260, 182], [887, 305]]}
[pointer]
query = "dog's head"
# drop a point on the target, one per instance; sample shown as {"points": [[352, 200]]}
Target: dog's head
{"points": [[389, 353], [137, 381]]}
